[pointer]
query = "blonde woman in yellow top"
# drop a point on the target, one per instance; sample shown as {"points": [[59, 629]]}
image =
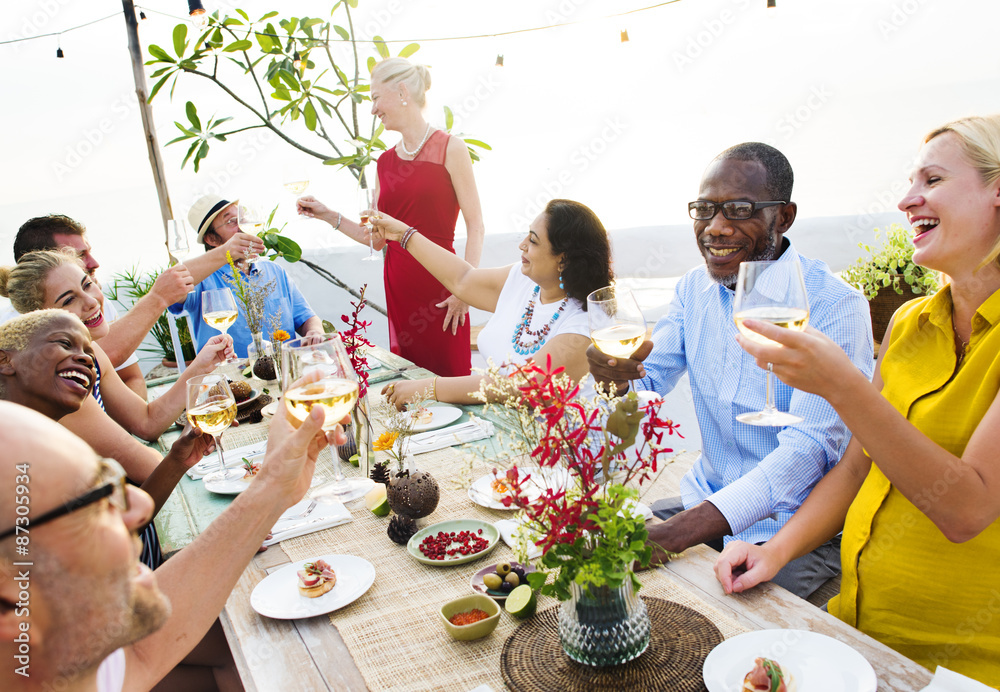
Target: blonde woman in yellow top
{"points": [[917, 493]]}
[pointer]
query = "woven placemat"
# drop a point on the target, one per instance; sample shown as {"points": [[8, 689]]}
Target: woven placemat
{"points": [[681, 638]]}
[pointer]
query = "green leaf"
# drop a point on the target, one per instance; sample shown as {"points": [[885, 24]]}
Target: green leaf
{"points": [[284, 246], [477, 143], [449, 119], [380, 46], [266, 43], [289, 79], [180, 39], [342, 32], [159, 53], [192, 114], [156, 87], [242, 44], [371, 64], [310, 114], [233, 21], [190, 152], [243, 14], [273, 13], [409, 50], [308, 23], [281, 93], [339, 161]]}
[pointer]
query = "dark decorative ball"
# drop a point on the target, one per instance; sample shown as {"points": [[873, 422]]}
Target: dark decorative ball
{"points": [[413, 495], [263, 368], [401, 529], [380, 472]]}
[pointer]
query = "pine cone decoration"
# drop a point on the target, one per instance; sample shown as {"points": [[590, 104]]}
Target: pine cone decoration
{"points": [[264, 368], [401, 529], [380, 472]]}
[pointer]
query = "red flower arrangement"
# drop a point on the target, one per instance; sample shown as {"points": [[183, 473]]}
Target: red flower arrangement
{"points": [[354, 339]]}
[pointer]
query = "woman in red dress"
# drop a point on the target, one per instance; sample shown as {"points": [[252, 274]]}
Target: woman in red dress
{"points": [[424, 181]]}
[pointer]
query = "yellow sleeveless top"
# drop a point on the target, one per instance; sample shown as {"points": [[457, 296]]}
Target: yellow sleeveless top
{"points": [[904, 583]]}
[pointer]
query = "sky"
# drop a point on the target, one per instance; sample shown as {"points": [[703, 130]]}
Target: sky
{"points": [[845, 89]]}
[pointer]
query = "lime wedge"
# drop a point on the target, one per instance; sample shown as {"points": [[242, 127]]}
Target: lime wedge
{"points": [[355, 460], [521, 602], [376, 501]]}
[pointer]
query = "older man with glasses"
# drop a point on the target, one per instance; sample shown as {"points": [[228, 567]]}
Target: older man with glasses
{"points": [[748, 480], [77, 609]]}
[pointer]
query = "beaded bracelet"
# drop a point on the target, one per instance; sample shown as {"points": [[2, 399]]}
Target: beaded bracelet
{"points": [[406, 237]]}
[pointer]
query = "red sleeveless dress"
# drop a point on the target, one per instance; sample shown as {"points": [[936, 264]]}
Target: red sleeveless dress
{"points": [[420, 194]]}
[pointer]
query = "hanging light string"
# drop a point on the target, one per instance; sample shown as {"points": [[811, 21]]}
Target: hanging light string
{"points": [[347, 40]]}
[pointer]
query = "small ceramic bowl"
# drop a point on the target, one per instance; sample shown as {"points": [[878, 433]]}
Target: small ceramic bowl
{"points": [[476, 630]]}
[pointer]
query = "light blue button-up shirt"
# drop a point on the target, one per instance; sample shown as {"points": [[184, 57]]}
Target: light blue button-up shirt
{"points": [[756, 476], [285, 298]]}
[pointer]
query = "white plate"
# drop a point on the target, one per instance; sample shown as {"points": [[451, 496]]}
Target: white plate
{"points": [[441, 416], [234, 487], [270, 409], [816, 662], [482, 494], [277, 595]]}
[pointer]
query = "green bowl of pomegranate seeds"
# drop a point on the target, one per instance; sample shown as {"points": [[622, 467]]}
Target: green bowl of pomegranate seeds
{"points": [[454, 542]]}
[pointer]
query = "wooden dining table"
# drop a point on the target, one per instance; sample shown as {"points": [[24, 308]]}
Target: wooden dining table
{"points": [[390, 638]]}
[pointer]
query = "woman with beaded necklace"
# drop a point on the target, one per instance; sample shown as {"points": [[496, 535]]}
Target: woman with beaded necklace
{"points": [[539, 306], [424, 180]]}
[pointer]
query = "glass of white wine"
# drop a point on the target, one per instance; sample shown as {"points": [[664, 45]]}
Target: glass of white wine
{"points": [[617, 326], [316, 371], [178, 243], [211, 407], [296, 187], [367, 200], [252, 218], [770, 292], [218, 309]]}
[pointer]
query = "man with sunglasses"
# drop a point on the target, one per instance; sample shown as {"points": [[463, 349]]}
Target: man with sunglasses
{"points": [[77, 609], [748, 480]]}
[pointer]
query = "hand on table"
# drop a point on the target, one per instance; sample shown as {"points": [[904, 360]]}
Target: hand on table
{"points": [[618, 371], [744, 565], [402, 392], [457, 310]]}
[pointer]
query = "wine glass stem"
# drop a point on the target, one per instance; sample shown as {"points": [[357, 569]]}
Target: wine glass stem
{"points": [[769, 401], [338, 473], [222, 458]]}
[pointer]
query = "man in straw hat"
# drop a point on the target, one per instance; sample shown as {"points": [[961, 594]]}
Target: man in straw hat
{"points": [[215, 219]]}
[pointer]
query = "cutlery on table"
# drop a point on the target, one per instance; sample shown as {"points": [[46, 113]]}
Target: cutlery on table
{"points": [[300, 515]]}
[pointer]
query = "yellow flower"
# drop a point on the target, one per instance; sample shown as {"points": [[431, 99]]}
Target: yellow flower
{"points": [[279, 336], [385, 441]]}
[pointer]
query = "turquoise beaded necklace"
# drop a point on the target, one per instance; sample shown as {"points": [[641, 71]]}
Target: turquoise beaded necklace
{"points": [[537, 339]]}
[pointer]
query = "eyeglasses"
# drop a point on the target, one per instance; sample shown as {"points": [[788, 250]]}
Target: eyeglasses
{"points": [[733, 210], [112, 484]]}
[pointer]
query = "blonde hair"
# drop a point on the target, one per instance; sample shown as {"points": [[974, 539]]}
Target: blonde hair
{"points": [[417, 78], [24, 283], [979, 137], [18, 332]]}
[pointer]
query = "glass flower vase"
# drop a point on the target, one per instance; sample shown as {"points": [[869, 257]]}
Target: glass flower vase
{"points": [[602, 626]]}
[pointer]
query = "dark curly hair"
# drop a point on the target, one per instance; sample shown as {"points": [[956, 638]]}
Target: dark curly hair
{"points": [[576, 233], [779, 172], [37, 233]]}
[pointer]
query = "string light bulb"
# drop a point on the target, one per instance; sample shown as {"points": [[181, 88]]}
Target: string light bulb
{"points": [[297, 61], [197, 13], [624, 36], [772, 4], [142, 15], [59, 50], [499, 62], [59, 53]]}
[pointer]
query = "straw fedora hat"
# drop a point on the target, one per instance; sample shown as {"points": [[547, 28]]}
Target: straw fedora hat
{"points": [[204, 211]]}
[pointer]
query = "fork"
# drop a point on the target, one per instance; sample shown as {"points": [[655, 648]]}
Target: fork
{"points": [[300, 515]]}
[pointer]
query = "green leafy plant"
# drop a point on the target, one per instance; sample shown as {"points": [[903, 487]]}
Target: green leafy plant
{"points": [[129, 286], [890, 264], [582, 516], [285, 71]]}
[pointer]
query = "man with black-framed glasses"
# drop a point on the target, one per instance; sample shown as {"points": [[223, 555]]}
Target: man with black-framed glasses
{"points": [[749, 480], [77, 609]]}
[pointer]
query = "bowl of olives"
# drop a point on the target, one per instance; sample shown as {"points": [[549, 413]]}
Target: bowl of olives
{"points": [[497, 581]]}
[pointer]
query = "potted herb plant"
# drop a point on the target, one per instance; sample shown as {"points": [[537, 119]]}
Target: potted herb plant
{"points": [[888, 277], [127, 288]]}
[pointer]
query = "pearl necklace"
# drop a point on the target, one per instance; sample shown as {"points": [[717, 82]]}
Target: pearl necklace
{"points": [[526, 348], [413, 154]]}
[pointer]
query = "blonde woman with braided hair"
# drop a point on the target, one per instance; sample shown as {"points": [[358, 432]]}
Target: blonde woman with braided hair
{"points": [[424, 181]]}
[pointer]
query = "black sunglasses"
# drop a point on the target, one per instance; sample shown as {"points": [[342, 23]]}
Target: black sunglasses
{"points": [[734, 210], [114, 486]]}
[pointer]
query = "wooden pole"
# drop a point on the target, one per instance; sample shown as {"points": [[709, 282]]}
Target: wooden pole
{"points": [[155, 161]]}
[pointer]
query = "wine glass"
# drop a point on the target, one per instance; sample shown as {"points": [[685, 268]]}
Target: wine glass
{"points": [[770, 292], [316, 371], [252, 218], [218, 309], [178, 243], [617, 326], [211, 407], [367, 202], [296, 187]]}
